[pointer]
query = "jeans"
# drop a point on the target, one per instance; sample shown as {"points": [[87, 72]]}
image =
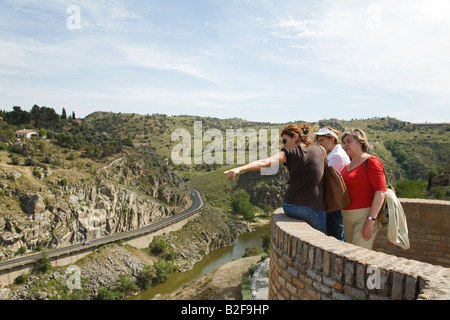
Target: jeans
{"points": [[335, 225], [315, 218]]}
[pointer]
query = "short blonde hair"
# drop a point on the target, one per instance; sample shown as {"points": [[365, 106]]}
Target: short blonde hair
{"points": [[359, 136]]}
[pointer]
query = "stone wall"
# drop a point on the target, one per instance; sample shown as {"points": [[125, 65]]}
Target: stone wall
{"points": [[306, 264], [428, 230]]}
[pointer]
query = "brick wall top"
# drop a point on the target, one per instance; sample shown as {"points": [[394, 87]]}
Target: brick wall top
{"points": [[312, 265]]}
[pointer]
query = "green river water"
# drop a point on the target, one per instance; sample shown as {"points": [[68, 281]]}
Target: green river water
{"points": [[210, 262]]}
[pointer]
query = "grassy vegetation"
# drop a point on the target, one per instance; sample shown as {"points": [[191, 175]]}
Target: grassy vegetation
{"points": [[246, 288], [408, 151], [418, 149], [75, 149]]}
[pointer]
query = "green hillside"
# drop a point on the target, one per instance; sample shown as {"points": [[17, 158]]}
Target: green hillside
{"points": [[408, 152]]}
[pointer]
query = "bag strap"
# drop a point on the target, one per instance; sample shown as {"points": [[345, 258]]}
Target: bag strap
{"points": [[325, 154], [386, 178]]}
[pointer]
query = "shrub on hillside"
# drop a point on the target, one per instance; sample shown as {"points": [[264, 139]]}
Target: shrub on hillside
{"points": [[241, 205]]}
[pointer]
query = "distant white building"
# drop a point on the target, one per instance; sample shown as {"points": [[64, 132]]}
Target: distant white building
{"points": [[26, 133], [431, 125]]}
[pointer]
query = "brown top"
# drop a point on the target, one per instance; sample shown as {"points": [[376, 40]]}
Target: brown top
{"points": [[306, 171]]}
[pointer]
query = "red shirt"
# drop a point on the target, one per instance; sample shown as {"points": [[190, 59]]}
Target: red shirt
{"points": [[362, 183]]}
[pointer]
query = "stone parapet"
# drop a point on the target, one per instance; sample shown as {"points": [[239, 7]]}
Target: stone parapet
{"points": [[428, 231], [306, 264]]}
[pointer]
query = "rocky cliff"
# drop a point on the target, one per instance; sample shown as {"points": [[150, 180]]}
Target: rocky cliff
{"points": [[54, 208], [265, 190], [103, 268]]}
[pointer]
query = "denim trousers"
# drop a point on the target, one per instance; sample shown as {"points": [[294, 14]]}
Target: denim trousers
{"points": [[335, 225], [315, 218]]}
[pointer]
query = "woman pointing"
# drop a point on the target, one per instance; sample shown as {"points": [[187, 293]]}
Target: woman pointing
{"points": [[304, 198]]}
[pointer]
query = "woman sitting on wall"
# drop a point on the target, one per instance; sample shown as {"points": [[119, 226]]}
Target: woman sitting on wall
{"points": [[305, 162]]}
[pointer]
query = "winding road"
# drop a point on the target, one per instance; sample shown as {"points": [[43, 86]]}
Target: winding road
{"points": [[197, 204]]}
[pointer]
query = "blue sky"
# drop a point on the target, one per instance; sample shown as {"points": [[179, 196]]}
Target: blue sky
{"points": [[260, 60]]}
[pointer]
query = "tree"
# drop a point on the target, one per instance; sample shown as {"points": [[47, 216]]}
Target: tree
{"points": [[163, 270], [430, 176], [44, 263], [108, 294], [6, 133], [64, 114], [398, 153], [158, 246], [246, 209], [410, 188], [44, 117], [127, 286], [146, 277], [18, 116], [241, 205]]}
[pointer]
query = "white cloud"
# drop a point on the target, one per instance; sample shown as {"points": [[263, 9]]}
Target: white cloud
{"points": [[398, 46], [158, 58], [114, 15], [103, 15], [107, 38], [311, 59], [293, 29]]}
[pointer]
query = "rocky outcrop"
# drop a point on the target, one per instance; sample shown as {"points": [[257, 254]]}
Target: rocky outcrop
{"points": [[104, 267], [12, 175], [104, 270], [129, 193], [33, 203], [5, 293], [269, 193]]}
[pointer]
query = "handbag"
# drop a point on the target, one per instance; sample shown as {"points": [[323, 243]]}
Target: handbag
{"points": [[335, 192], [383, 214]]}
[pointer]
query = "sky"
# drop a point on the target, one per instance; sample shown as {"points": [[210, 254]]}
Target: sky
{"points": [[260, 60]]}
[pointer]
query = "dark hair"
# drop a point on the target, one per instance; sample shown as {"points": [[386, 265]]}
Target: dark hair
{"points": [[301, 130]]}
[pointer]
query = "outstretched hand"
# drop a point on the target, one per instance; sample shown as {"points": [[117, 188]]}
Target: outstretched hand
{"points": [[231, 173]]}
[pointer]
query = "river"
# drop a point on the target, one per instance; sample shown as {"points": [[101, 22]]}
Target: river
{"points": [[209, 263]]}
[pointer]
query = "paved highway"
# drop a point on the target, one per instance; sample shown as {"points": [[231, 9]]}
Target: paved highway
{"points": [[197, 204]]}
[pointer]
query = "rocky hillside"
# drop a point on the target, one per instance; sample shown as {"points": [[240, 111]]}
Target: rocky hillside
{"points": [[409, 151], [105, 266], [53, 207], [101, 269]]}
